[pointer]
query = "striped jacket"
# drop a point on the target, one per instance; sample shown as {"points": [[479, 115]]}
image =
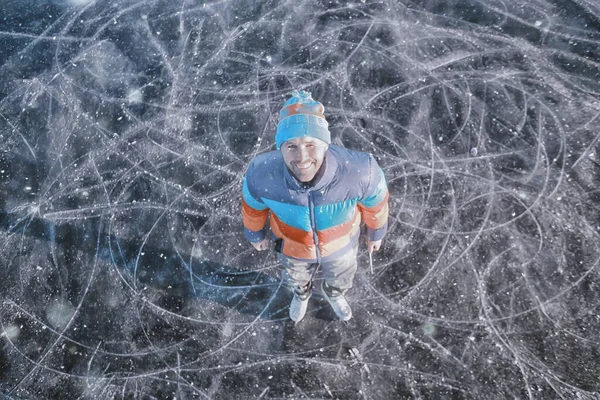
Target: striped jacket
{"points": [[322, 222]]}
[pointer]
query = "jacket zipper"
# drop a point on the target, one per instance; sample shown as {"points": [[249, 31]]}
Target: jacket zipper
{"points": [[311, 208]]}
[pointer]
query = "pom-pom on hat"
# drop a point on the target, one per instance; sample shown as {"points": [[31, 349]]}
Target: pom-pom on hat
{"points": [[302, 116]]}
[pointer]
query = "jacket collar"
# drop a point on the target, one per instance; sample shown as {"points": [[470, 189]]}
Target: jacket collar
{"points": [[330, 165]]}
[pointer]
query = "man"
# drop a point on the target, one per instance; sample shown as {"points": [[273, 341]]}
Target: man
{"points": [[314, 195]]}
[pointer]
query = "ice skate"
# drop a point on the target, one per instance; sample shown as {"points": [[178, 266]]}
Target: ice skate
{"points": [[299, 305], [337, 301]]}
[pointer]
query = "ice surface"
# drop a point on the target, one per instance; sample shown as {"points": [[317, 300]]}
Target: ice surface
{"points": [[125, 130]]}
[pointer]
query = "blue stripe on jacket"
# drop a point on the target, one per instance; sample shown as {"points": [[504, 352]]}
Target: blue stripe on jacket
{"points": [[330, 215], [249, 199], [290, 214]]}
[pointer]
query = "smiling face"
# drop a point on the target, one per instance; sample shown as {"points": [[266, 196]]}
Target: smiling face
{"points": [[304, 156]]}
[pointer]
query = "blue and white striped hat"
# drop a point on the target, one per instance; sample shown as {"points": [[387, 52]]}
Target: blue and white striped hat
{"points": [[302, 116]]}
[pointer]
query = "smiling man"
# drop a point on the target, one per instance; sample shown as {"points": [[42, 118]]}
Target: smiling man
{"points": [[314, 196]]}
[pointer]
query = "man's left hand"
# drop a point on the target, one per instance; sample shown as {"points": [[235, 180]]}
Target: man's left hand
{"points": [[373, 246]]}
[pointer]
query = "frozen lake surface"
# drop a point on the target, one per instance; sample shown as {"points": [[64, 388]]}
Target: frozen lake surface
{"points": [[125, 130]]}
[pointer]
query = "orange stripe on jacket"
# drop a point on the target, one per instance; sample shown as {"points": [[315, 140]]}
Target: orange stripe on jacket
{"points": [[303, 247], [328, 248], [375, 217], [253, 219], [336, 232], [299, 250], [300, 244], [283, 230]]}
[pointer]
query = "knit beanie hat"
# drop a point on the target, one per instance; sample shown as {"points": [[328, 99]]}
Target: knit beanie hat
{"points": [[302, 116]]}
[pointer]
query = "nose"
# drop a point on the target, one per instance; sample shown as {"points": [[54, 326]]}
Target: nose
{"points": [[302, 154]]}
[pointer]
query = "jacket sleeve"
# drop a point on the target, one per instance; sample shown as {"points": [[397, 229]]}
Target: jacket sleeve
{"points": [[374, 205], [254, 214]]}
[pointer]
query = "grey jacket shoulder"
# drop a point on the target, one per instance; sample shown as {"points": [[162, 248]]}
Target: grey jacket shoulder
{"points": [[353, 164], [347, 157], [265, 169], [266, 163]]}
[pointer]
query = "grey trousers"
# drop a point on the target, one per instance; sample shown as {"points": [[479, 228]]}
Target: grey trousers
{"points": [[338, 273]]}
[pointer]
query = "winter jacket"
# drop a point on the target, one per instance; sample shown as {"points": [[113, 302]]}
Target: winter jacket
{"points": [[321, 222]]}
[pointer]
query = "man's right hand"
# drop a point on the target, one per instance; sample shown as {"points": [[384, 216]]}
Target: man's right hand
{"points": [[260, 246]]}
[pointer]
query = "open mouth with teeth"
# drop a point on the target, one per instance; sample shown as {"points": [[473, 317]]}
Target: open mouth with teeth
{"points": [[305, 171], [304, 166]]}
